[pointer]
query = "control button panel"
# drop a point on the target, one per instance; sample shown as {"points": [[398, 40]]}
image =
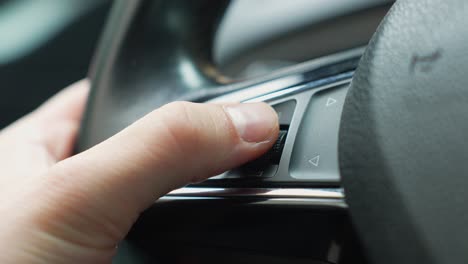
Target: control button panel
{"points": [[315, 151], [306, 151], [266, 166]]}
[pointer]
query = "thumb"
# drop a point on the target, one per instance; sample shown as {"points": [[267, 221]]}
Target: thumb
{"points": [[179, 143]]}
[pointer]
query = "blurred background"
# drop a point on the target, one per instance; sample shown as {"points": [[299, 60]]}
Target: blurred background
{"points": [[45, 45], [48, 44]]}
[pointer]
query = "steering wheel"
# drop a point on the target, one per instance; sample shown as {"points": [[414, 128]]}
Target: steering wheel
{"points": [[394, 137]]}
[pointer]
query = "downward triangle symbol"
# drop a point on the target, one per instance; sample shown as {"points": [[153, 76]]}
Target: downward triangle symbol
{"points": [[330, 101], [315, 160]]}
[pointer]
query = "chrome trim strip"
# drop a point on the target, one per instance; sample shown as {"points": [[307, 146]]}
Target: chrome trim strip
{"points": [[316, 202], [277, 89], [329, 82], [308, 193], [291, 73], [260, 89]]}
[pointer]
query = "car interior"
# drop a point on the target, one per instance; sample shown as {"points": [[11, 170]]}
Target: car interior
{"points": [[371, 97]]}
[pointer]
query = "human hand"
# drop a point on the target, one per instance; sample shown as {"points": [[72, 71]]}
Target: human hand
{"points": [[60, 209]]}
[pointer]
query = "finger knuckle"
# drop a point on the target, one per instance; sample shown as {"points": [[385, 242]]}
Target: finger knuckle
{"points": [[179, 124]]}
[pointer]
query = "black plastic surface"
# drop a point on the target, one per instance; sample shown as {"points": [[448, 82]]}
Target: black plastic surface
{"points": [[404, 147], [240, 231]]}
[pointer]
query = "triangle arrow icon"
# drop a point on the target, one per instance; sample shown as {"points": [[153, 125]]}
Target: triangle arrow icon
{"points": [[330, 101], [315, 160]]}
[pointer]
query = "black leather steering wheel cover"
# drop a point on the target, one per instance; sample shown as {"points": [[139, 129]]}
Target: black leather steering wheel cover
{"points": [[403, 148]]}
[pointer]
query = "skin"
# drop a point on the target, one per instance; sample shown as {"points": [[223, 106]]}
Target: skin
{"points": [[59, 208]]}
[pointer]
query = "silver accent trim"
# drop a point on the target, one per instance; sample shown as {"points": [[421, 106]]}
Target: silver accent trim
{"points": [[260, 89], [312, 193], [334, 81], [277, 88], [316, 202]]}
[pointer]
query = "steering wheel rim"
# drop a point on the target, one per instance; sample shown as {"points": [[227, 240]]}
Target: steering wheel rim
{"points": [[402, 145]]}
